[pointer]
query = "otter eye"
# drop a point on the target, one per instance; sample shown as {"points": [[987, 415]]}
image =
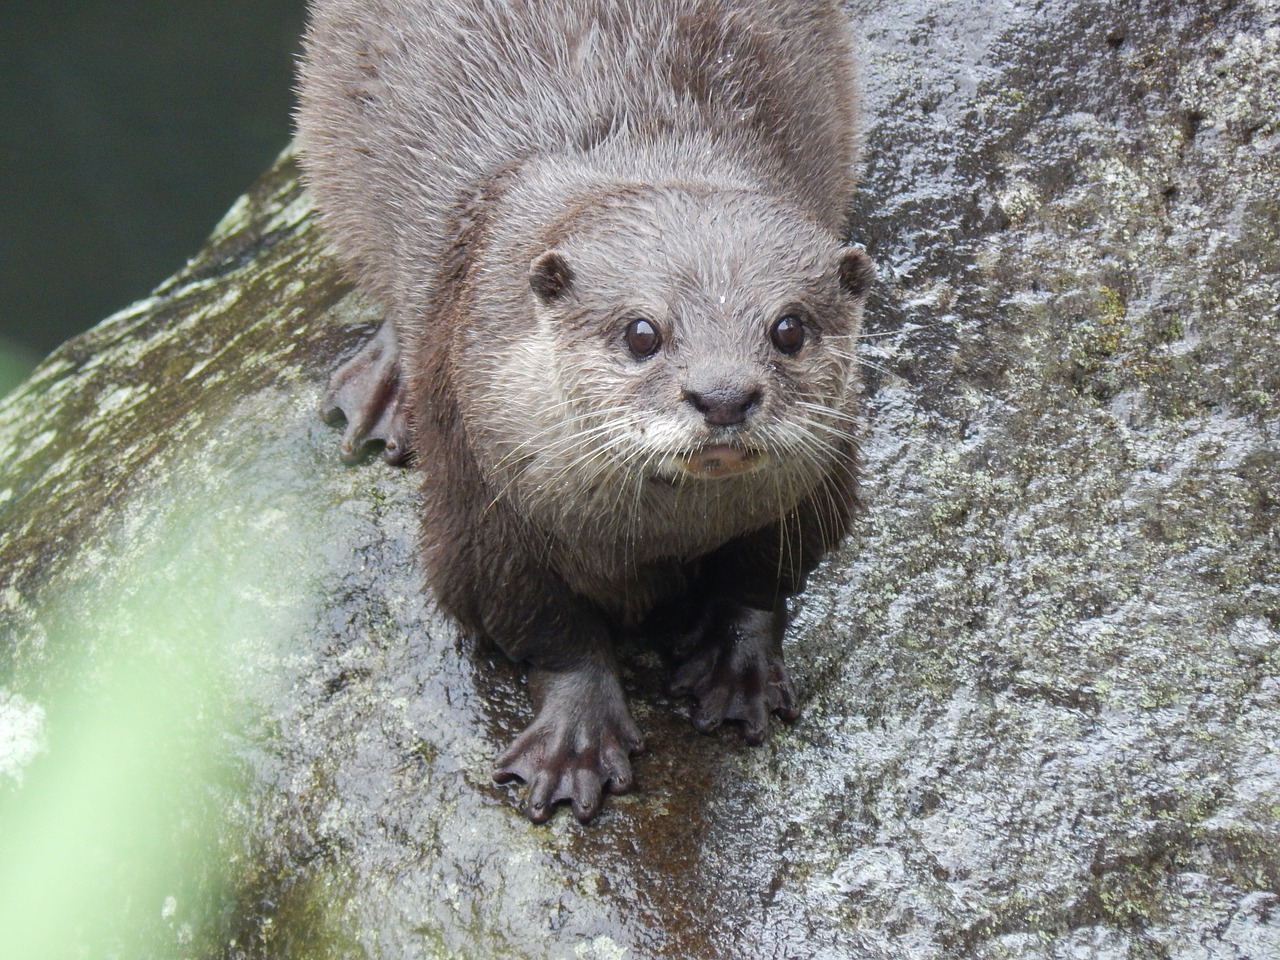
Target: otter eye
{"points": [[643, 339], [788, 334]]}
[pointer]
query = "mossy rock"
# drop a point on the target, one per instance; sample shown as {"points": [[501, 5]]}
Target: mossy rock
{"points": [[1041, 683]]}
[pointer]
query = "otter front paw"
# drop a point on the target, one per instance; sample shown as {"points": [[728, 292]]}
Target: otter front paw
{"points": [[738, 674], [367, 391], [578, 746]]}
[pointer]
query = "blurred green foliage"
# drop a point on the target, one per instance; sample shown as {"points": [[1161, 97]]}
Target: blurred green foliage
{"points": [[125, 697], [15, 364]]}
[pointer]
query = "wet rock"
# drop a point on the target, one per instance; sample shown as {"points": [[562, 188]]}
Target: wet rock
{"points": [[1041, 683]]}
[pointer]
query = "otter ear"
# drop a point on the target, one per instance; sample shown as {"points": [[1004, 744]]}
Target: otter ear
{"points": [[857, 272], [549, 276]]}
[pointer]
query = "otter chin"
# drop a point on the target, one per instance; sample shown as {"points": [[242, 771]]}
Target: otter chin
{"points": [[623, 263]]}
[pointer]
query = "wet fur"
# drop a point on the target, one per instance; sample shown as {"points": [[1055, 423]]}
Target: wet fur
{"points": [[513, 181]]}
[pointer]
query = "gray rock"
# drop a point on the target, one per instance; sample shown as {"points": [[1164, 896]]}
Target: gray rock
{"points": [[1041, 683]]}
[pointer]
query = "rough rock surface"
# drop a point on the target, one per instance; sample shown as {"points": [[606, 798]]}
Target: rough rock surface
{"points": [[1041, 683]]}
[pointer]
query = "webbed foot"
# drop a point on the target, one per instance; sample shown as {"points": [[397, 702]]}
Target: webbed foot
{"points": [[578, 746], [737, 673], [368, 391]]}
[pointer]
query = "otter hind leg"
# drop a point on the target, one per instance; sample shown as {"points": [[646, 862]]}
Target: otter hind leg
{"points": [[579, 744], [736, 671], [369, 391]]}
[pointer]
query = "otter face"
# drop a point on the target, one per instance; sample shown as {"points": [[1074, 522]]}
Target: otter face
{"points": [[704, 336]]}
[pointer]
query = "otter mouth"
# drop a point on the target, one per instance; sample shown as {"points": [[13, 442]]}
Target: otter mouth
{"points": [[720, 460]]}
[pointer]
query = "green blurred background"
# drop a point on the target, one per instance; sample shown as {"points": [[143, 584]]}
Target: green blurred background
{"points": [[127, 127]]}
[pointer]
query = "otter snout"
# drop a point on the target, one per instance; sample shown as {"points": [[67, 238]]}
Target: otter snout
{"points": [[724, 405]]}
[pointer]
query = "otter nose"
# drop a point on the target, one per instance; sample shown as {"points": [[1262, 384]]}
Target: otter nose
{"points": [[724, 406]]}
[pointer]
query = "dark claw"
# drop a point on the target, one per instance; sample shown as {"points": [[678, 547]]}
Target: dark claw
{"points": [[753, 729], [585, 794], [617, 768], [707, 722], [538, 801]]}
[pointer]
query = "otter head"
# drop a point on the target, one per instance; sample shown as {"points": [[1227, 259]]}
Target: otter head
{"points": [[702, 335]]}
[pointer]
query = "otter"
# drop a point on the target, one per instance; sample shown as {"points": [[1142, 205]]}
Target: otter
{"points": [[620, 334]]}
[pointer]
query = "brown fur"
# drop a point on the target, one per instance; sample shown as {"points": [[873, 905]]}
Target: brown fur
{"points": [[518, 182]]}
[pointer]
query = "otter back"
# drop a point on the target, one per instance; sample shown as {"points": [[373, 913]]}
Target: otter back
{"points": [[407, 104]]}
